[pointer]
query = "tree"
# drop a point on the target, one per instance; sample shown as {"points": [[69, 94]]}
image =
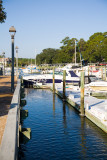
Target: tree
{"points": [[2, 13], [68, 49], [47, 56], [96, 47]]}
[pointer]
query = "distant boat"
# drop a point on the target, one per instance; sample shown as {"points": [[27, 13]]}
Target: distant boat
{"points": [[30, 69]]}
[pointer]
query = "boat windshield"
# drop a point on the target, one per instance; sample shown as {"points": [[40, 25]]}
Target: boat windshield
{"points": [[93, 78]]}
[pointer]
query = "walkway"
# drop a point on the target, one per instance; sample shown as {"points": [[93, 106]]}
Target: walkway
{"points": [[5, 101]]}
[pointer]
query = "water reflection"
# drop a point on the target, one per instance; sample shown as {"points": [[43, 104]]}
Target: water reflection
{"points": [[64, 115], [62, 133], [96, 130], [83, 139], [53, 104]]}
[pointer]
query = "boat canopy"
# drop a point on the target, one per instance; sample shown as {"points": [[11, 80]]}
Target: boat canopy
{"points": [[72, 74]]}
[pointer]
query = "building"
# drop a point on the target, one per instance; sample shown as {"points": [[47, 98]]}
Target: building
{"points": [[5, 61]]}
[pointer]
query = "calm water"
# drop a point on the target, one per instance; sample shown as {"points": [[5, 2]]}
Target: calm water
{"points": [[58, 132]]}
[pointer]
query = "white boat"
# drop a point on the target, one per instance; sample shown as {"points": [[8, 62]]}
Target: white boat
{"points": [[30, 69], [71, 78], [97, 86]]}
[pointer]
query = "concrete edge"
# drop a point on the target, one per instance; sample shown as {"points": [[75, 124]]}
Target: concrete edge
{"points": [[96, 121], [88, 115], [10, 140], [72, 103]]}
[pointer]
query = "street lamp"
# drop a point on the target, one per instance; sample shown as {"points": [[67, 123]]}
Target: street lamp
{"points": [[12, 31], [3, 63], [16, 60]]}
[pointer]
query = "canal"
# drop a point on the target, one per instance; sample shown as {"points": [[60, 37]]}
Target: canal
{"points": [[58, 132]]}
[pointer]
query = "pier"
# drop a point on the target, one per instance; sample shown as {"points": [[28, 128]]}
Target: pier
{"points": [[9, 120], [5, 101]]}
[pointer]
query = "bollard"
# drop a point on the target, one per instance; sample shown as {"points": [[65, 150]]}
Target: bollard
{"points": [[82, 94], [64, 79], [53, 79]]}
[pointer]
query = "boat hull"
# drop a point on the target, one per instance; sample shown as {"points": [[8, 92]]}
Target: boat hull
{"points": [[99, 88]]}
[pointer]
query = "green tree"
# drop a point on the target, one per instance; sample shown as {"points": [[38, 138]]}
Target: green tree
{"points": [[96, 48], [2, 13], [68, 48], [46, 56]]}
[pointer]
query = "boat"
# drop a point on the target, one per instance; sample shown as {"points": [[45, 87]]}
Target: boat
{"points": [[30, 69], [97, 86], [71, 78]]}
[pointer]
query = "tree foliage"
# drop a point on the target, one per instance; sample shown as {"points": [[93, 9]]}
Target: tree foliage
{"points": [[47, 56], [96, 48], [2, 13], [93, 50]]}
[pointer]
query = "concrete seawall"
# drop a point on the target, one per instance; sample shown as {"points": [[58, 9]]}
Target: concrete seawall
{"points": [[10, 140]]}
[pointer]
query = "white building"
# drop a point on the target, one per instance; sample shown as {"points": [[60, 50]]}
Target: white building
{"points": [[4, 61]]}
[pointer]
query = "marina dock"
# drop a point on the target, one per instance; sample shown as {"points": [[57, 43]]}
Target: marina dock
{"points": [[95, 109]]}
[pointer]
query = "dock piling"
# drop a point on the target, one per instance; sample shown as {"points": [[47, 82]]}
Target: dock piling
{"points": [[53, 79], [88, 74], [82, 94], [64, 79], [102, 72], [105, 73]]}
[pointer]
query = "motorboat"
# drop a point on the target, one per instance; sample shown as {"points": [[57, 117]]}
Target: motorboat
{"points": [[97, 86], [71, 78], [30, 69]]}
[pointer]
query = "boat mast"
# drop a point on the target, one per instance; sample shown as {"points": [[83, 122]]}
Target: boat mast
{"points": [[75, 52]]}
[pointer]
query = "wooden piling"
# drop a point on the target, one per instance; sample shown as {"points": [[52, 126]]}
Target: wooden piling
{"points": [[53, 79], [102, 72], [64, 79], [88, 74], [105, 73], [82, 94]]}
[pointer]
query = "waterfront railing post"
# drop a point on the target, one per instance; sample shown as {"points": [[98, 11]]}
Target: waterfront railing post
{"points": [[82, 94], [53, 79], [64, 79]]}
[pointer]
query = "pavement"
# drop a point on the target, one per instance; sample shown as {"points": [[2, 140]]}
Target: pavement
{"points": [[5, 101]]}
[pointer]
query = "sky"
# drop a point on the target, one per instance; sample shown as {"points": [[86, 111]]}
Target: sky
{"points": [[42, 24]]}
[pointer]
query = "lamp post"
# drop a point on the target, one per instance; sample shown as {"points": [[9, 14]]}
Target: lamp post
{"points": [[16, 60], [12, 31], [3, 63]]}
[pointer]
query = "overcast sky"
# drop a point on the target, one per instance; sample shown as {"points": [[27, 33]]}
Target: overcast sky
{"points": [[43, 24]]}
